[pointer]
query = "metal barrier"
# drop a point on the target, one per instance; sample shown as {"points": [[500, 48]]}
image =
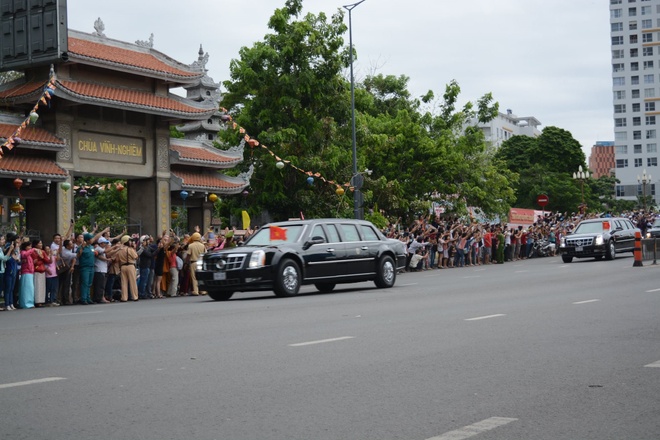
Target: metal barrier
{"points": [[650, 250]]}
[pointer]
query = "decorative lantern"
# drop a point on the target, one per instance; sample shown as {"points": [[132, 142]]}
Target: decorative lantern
{"points": [[17, 208], [120, 187], [18, 183], [279, 165], [253, 143], [33, 117], [340, 191], [213, 198], [65, 186], [174, 215], [83, 192], [245, 193], [310, 180], [184, 195], [17, 140]]}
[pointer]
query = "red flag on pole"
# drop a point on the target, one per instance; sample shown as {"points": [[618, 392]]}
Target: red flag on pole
{"points": [[277, 233]]}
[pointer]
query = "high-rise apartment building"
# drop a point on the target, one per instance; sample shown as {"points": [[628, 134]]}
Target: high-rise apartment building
{"points": [[602, 159], [635, 40]]}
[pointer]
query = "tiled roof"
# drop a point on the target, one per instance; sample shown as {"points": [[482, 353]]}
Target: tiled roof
{"points": [[31, 134], [136, 58], [202, 155], [210, 181], [24, 166], [148, 102], [28, 89]]}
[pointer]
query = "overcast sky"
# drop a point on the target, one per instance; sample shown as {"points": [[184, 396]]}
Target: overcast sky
{"points": [[547, 59]]}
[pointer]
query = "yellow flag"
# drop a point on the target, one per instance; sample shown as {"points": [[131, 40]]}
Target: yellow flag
{"points": [[246, 220]]}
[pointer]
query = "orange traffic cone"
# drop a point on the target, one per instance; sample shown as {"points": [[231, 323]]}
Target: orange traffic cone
{"points": [[638, 250]]}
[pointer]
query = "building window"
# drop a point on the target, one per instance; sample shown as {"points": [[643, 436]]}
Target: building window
{"points": [[632, 12], [638, 162], [622, 163], [650, 134], [622, 149], [616, 13], [620, 136], [618, 54], [651, 148], [634, 66], [615, 2], [634, 80], [649, 93], [620, 94], [647, 23], [617, 27], [637, 148], [650, 120], [633, 39], [646, 10], [647, 51], [651, 161], [619, 108], [649, 79], [632, 25], [634, 53], [619, 81], [635, 93], [637, 121], [635, 107], [637, 135], [620, 191], [649, 106], [647, 38], [648, 65], [620, 122], [618, 67]]}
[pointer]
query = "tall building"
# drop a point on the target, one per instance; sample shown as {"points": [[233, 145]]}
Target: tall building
{"points": [[504, 126], [635, 40], [602, 159]]}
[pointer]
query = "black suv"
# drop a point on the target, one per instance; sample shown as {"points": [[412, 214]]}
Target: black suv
{"points": [[283, 256], [599, 237]]}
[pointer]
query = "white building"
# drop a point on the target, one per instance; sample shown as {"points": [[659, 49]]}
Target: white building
{"points": [[504, 126], [635, 40]]}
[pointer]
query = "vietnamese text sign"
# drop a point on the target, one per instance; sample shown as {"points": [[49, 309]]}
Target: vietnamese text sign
{"points": [[110, 147]]}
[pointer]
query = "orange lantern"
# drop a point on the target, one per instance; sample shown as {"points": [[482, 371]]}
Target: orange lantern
{"points": [[174, 215], [18, 183], [213, 198], [120, 187], [17, 208]]}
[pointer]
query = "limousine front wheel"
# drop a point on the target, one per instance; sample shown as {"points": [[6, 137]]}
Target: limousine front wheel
{"points": [[220, 295], [386, 272], [287, 281]]}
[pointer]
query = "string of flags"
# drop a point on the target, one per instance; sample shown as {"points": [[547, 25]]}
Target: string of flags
{"points": [[31, 119], [281, 163]]}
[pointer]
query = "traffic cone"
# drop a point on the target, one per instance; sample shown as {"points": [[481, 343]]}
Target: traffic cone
{"points": [[638, 250]]}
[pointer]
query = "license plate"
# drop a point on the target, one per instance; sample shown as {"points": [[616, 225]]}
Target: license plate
{"points": [[578, 249], [219, 276]]}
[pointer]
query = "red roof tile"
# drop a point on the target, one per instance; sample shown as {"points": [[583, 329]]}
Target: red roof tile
{"points": [[26, 89], [198, 154], [140, 59], [30, 134], [31, 166], [211, 181], [133, 98]]}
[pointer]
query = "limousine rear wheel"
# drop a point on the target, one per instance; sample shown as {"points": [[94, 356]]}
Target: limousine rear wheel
{"points": [[287, 280], [220, 296], [385, 273]]}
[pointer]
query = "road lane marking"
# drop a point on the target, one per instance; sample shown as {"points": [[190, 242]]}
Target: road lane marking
{"points": [[478, 318], [409, 284], [471, 276], [653, 365], [31, 382], [321, 341], [654, 290], [587, 301], [521, 271], [475, 429], [78, 313]]}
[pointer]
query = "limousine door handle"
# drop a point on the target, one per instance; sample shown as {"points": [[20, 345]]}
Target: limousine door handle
{"points": [[330, 250], [365, 248]]}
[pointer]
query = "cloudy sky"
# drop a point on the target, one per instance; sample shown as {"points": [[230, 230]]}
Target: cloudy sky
{"points": [[550, 60]]}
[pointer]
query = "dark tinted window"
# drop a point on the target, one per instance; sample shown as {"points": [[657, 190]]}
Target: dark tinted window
{"points": [[350, 232], [333, 234], [368, 233]]}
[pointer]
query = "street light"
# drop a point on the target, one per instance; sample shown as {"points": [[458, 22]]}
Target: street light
{"points": [[581, 176], [644, 180], [356, 180]]}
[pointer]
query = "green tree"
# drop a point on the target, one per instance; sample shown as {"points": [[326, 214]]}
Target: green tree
{"points": [[288, 92], [100, 203]]}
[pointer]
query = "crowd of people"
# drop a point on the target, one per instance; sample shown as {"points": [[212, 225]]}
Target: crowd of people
{"points": [[449, 242], [92, 267]]}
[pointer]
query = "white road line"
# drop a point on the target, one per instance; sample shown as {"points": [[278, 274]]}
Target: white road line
{"points": [[322, 341], [77, 313], [409, 284], [475, 429], [521, 271], [472, 276], [31, 382], [478, 318], [653, 365], [654, 290], [587, 301]]}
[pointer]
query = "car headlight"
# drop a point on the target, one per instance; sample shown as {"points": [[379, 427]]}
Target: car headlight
{"points": [[257, 259], [648, 235], [199, 264], [599, 240], [562, 242]]}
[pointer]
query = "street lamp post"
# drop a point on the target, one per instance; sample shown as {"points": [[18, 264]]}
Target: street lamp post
{"points": [[644, 180], [581, 176], [356, 180]]}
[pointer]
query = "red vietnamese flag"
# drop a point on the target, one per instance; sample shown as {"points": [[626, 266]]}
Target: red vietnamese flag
{"points": [[277, 233]]}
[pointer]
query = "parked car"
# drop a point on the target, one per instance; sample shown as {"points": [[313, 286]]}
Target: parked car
{"points": [[283, 256], [599, 237]]}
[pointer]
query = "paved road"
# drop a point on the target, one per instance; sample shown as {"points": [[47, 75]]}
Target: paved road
{"points": [[528, 350]]}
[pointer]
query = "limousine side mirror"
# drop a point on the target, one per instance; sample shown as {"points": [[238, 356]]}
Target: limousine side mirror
{"points": [[314, 240]]}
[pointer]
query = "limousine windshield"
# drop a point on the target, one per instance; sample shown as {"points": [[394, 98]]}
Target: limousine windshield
{"points": [[275, 235]]}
